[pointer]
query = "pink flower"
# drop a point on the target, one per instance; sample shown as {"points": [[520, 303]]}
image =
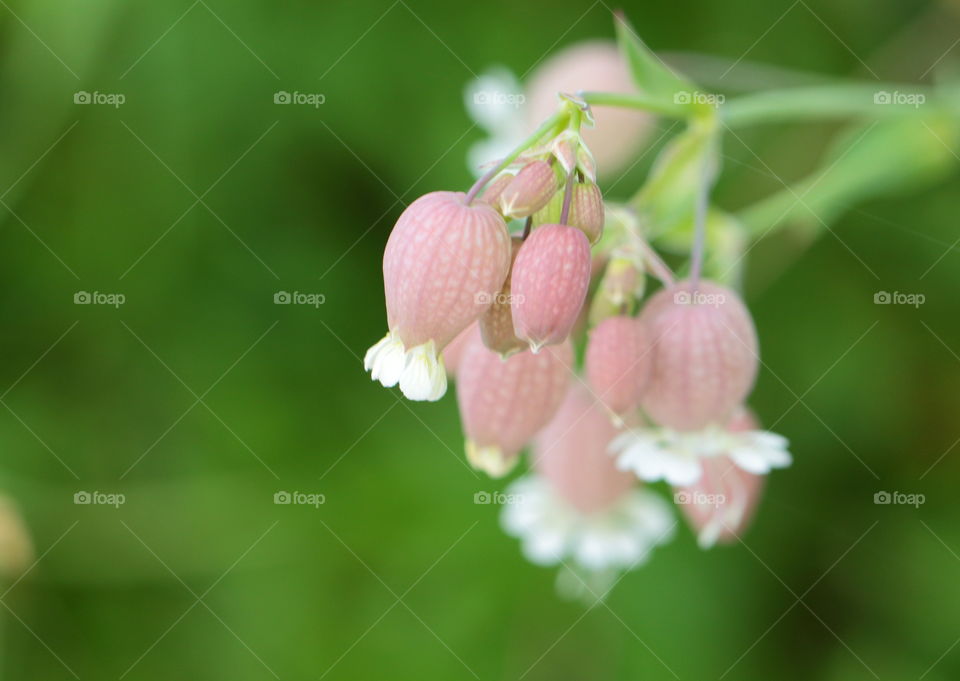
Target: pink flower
{"points": [[721, 504], [496, 324], [550, 280], [444, 262], [705, 355], [571, 453], [504, 402], [619, 361], [529, 191]]}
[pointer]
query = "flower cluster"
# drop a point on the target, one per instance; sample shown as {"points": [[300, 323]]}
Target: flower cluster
{"points": [[505, 286]]}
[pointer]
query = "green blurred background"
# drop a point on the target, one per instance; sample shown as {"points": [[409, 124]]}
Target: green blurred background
{"points": [[199, 398]]}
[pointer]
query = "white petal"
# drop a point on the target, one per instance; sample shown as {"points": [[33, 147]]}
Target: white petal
{"points": [[423, 377], [385, 360], [761, 452]]}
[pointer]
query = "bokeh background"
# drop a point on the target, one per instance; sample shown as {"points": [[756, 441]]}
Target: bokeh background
{"points": [[199, 399]]}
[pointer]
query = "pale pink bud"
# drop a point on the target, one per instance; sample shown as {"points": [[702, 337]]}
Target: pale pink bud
{"points": [[705, 355], [594, 66], [491, 194], [550, 280], [586, 210], [444, 262], [571, 453], [496, 324], [504, 402], [619, 360], [529, 191], [720, 505]]}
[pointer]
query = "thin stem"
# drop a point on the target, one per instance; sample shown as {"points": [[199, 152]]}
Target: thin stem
{"points": [[637, 101], [567, 196], [546, 127], [655, 263], [700, 225]]}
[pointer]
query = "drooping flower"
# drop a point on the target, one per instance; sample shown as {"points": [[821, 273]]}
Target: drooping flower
{"points": [[496, 324], [619, 361], [504, 402], [705, 355], [720, 505], [704, 364], [444, 262], [551, 276], [454, 350], [577, 506]]}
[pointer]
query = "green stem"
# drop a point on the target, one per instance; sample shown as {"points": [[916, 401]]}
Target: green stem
{"points": [[637, 101]]}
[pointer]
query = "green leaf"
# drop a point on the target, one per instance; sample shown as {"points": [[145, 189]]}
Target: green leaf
{"points": [[650, 73]]}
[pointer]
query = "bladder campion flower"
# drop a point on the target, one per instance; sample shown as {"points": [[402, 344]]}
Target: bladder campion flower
{"points": [[444, 263]]}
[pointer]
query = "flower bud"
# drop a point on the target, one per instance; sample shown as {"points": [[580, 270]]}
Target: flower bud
{"points": [[496, 324], [529, 191], [705, 355], [491, 195], [720, 505], [619, 360], [571, 453], [444, 262], [504, 402], [586, 210], [550, 280]]}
